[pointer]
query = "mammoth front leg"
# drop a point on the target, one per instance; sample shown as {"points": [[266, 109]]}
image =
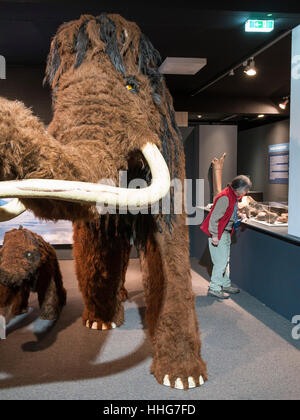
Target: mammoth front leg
{"points": [[13, 302], [101, 260], [171, 316]]}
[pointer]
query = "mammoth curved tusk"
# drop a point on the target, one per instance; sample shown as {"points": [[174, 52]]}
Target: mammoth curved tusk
{"points": [[10, 210], [91, 193]]}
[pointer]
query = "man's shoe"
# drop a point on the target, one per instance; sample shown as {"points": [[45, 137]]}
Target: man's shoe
{"points": [[231, 290], [219, 295]]}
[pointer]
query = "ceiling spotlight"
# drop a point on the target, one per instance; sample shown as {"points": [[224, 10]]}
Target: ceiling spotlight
{"points": [[250, 69], [199, 116], [284, 102], [260, 115], [231, 73]]}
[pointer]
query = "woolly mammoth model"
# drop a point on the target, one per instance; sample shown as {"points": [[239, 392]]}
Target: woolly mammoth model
{"points": [[28, 263], [112, 113]]}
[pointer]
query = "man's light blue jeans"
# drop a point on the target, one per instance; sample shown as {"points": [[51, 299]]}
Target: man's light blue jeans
{"points": [[220, 257]]}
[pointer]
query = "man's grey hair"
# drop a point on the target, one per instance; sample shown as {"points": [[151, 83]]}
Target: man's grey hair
{"points": [[241, 182]]}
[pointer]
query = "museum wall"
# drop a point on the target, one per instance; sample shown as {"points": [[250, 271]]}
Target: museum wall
{"points": [[26, 85], [252, 157], [294, 168], [214, 140]]}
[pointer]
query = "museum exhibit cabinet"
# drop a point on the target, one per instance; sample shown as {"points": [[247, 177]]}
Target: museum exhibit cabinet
{"points": [[264, 262]]}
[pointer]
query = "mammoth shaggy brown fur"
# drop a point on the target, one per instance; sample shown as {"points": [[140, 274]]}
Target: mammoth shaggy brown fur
{"points": [[109, 99], [28, 263]]}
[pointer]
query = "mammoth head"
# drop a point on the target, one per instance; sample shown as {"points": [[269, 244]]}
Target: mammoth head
{"points": [[113, 47], [20, 258], [116, 69]]}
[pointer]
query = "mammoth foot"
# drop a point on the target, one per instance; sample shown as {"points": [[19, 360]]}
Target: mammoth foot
{"points": [[181, 375], [96, 325], [93, 322], [178, 384]]}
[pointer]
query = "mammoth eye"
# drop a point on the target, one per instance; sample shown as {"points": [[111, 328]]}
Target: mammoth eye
{"points": [[28, 254], [124, 35], [132, 85]]}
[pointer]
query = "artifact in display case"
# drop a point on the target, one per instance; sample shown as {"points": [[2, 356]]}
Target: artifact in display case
{"points": [[217, 168], [267, 213]]}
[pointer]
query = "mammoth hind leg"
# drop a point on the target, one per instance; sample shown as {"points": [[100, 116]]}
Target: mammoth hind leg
{"points": [[170, 315], [101, 260], [49, 301]]}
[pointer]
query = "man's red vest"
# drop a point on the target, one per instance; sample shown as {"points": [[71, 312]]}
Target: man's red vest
{"points": [[228, 192]]}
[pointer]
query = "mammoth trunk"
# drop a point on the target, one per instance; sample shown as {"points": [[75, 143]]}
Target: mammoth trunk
{"points": [[7, 279]]}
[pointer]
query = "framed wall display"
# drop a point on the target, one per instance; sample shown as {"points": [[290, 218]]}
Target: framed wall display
{"points": [[278, 163], [56, 233]]}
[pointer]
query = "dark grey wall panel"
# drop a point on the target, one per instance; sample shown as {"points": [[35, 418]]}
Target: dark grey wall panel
{"points": [[214, 140], [253, 157], [26, 84]]}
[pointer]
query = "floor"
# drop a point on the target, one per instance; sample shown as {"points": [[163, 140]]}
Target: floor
{"points": [[249, 350]]}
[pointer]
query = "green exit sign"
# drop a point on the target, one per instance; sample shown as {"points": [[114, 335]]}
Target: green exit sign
{"points": [[259, 25]]}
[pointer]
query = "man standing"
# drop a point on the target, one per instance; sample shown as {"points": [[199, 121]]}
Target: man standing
{"points": [[219, 225]]}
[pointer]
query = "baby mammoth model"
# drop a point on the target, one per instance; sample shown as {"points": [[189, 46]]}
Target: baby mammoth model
{"points": [[28, 263], [112, 113]]}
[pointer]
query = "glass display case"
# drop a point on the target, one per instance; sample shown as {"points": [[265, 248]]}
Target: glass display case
{"points": [[268, 213]]}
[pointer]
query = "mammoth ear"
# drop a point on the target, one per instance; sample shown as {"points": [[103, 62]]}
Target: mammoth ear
{"points": [[108, 35], [53, 63], [81, 45]]}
